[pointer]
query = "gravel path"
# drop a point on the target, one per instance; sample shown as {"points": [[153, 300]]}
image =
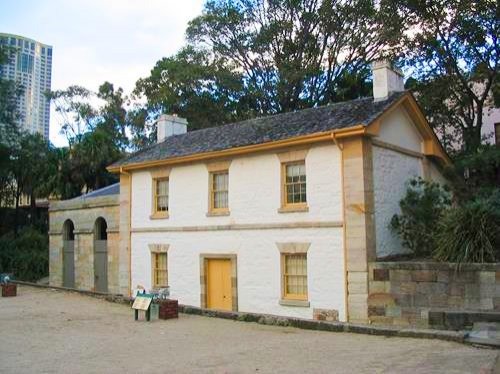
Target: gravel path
{"points": [[48, 331]]}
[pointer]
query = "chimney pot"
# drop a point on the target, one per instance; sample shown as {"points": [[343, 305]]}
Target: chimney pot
{"points": [[386, 79], [169, 125]]}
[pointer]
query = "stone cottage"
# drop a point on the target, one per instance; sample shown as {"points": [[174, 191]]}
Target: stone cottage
{"points": [[84, 241], [278, 215]]}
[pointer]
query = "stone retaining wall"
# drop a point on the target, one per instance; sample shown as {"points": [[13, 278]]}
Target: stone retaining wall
{"points": [[403, 293]]}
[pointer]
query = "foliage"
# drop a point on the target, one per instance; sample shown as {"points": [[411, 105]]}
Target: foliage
{"points": [[9, 91], [97, 126], [453, 50], [476, 174], [193, 86], [470, 233], [421, 208], [27, 256], [250, 58]]}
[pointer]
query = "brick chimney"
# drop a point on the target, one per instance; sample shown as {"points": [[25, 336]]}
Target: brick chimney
{"points": [[168, 125], [386, 79]]}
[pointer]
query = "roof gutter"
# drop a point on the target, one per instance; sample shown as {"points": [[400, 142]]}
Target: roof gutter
{"points": [[299, 140]]}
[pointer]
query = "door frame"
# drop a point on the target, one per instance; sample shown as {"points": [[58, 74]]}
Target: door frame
{"points": [[204, 257]]}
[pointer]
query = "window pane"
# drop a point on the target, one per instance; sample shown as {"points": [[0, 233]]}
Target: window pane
{"points": [[161, 195], [160, 270], [295, 277], [295, 183], [220, 182]]}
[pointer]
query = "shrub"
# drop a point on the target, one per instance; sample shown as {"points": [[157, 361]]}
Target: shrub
{"points": [[27, 256], [470, 233], [421, 208]]}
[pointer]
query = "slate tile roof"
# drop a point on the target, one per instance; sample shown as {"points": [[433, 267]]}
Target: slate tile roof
{"points": [[265, 129]]}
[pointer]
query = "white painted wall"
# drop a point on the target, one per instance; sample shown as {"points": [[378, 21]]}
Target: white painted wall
{"points": [[391, 172], [254, 197], [258, 266], [254, 192], [490, 117], [398, 129]]}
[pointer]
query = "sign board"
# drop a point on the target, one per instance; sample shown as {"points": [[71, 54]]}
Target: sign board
{"points": [[142, 302]]}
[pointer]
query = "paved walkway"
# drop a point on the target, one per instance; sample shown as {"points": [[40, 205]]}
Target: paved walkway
{"points": [[47, 331]]}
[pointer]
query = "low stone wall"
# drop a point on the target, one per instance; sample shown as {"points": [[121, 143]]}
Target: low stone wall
{"points": [[403, 293]]}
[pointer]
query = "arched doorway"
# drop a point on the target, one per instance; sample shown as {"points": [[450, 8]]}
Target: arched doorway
{"points": [[101, 255], [68, 254]]}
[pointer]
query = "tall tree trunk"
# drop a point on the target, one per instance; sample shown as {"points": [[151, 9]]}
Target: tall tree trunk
{"points": [[16, 210], [32, 208]]}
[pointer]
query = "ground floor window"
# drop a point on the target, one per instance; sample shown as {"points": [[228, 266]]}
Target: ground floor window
{"points": [[294, 272], [160, 272]]}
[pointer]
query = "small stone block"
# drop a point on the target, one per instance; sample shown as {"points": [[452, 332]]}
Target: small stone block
{"points": [[443, 276], [497, 276], [393, 311], [381, 274], [408, 288], [487, 277], [330, 315], [424, 276], [436, 319], [486, 304], [400, 275], [376, 311]]}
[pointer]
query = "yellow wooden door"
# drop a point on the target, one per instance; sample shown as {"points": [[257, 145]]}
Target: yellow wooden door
{"points": [[219, 284]]}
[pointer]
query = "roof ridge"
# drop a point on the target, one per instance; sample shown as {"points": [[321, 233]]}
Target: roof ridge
{"points": [[279, 126]]}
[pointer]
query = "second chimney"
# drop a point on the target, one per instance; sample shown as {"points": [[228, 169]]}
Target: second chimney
{"points": [[168, 125], [386, 79]]}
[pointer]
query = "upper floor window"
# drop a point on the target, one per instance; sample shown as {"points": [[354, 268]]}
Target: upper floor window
{"points": [[160, 192], [161, 195], [293, 181], [219, 190]]}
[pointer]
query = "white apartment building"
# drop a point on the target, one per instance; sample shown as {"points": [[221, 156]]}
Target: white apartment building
{"points": [[30, 64]]}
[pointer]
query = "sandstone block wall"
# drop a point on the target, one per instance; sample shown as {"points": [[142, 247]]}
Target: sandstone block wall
{"points": [[403, 293], [84, 213]]}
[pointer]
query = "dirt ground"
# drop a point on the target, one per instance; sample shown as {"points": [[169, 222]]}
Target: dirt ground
{"points": [[48, 331]]}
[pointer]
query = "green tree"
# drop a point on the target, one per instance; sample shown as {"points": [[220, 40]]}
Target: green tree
{"points": [[452, 49], [29, 170], [98, 127], [248, 58], [9, 92], [195, 86]]}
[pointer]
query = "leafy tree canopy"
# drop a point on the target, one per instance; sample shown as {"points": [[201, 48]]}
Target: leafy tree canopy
{"points": [[246, 58], [452, 49]]}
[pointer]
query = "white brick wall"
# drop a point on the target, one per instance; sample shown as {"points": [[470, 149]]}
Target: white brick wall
{"points": [[391, 172], [254, 198]]}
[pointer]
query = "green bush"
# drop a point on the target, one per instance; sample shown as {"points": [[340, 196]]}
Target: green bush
{"points": [[421, 208], [26, 256], [470, 233]]}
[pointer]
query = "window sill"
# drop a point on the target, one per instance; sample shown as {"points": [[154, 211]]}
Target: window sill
{"points": [[293, 209], [158, 216], [218, 214], [299, 303]]}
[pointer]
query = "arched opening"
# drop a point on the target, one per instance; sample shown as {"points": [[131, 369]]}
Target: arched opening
{"points": [[68, 235], [101, 255]]}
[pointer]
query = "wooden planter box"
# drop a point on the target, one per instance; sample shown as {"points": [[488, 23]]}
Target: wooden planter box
{"points": [[168, 309], [9, 290]]}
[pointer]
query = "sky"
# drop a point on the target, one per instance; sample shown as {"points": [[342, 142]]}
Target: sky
{"points": [[100, 40]]}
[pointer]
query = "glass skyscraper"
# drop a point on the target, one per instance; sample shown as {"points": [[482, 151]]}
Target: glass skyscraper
{"points": [[30, 64]]}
